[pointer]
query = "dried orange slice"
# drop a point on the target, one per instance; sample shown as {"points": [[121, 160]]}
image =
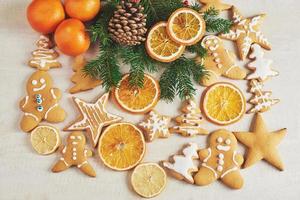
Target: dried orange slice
{"points": [[45, 139], [186, 26], [148, 179], [223, 103], [137, 100], [121, 146], [160, 47]]}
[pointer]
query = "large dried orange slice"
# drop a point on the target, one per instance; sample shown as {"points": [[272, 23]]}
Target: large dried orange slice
{"points": [[160, 47], [45, 139], [137, 100], [223, 103], [186, 26], [121, 146], [148, 179]]}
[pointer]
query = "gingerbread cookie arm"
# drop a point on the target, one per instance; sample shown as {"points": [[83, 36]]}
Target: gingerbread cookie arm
{"points": [[23, 103], [239, 159], [56, 93], [203, 153]]}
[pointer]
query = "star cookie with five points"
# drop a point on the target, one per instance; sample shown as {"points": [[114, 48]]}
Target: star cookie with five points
{"points": [[245, 31], [217, 4], [93, 118], [155, 126], [261, 144]]}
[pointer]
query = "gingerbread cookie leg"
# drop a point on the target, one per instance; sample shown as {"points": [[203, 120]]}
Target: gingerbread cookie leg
{"points": [[86, 168], [55, 114], [233, 180], [29, 122], [205, 176], [60, 166]]}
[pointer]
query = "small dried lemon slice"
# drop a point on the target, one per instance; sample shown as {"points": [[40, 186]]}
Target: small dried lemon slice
{"points": [[137, 100], [121, 146], [223, 103], [148, 179], [160, 47], [45, 139], [186, 26]]}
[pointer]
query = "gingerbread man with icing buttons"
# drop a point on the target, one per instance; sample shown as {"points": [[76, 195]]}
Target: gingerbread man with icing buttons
{"points": [[41, 103], [218, 62], [75, 154], [220, 161]]}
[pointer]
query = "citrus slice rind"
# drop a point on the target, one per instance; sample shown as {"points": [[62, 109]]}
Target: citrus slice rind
{"points": [[45, 139], [148, 179], [186, 26], [223, 103], [137, 100], [121, 146], [159, 45]]}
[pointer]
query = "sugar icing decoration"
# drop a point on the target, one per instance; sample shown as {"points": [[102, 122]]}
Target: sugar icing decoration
{"points": [[184, 164]]}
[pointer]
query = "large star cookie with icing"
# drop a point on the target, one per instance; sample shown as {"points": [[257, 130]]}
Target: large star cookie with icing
{"points": [[261, 143], [245, 31], [93, 118]]}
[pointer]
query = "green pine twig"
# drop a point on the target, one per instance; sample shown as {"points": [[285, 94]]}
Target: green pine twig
{"points": [[215, 24]]}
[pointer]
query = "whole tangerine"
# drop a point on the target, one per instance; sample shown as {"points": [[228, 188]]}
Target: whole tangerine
{"points": [[83, 10], [71, 37], [45, 15]]}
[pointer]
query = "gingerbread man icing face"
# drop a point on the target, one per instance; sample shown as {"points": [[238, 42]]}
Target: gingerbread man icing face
{"points": [[41, 102], [220, 161], [39, 83]]}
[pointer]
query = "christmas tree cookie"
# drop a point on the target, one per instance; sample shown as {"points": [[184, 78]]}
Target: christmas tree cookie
{"points": [[189, 123]]}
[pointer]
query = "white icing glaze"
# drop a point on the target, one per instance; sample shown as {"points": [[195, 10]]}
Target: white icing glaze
{"points": [[40, 88], [261, 65], [26, 101], [32, 115], [183, 164], [156, 125], [47, 112], [83, 163], [223, 148]]}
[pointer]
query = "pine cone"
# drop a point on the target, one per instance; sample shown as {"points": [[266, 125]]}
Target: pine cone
{"points": [[128, 25]]}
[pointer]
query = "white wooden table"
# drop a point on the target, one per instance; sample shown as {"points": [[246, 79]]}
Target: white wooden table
{"points": [[26, 175]]}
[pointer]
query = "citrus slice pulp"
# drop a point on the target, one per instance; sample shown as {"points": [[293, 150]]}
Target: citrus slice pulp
{"points": [[223, 103], [137, 100], [186, 26], [148, 179], [45, 139], [121, 146], [160, 47]]}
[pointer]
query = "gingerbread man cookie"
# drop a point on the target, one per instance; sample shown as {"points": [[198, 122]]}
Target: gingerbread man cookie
{"points": [[44, 57], [219, 61], [75, 154], [220, 161], [183, 165], [41, 102]]}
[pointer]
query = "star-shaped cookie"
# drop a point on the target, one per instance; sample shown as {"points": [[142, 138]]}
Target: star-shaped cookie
{"points": [[261, 144], [155, 126], [245, 31], [217, 4], [93, 118]]}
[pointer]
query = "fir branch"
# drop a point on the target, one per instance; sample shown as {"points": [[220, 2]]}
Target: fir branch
{"points": [[105, 67], [198, 49], [215, 24], [177, 79], [139, 62]]}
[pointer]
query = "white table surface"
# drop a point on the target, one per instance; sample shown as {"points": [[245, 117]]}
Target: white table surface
{"points": [[26, 175]]}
